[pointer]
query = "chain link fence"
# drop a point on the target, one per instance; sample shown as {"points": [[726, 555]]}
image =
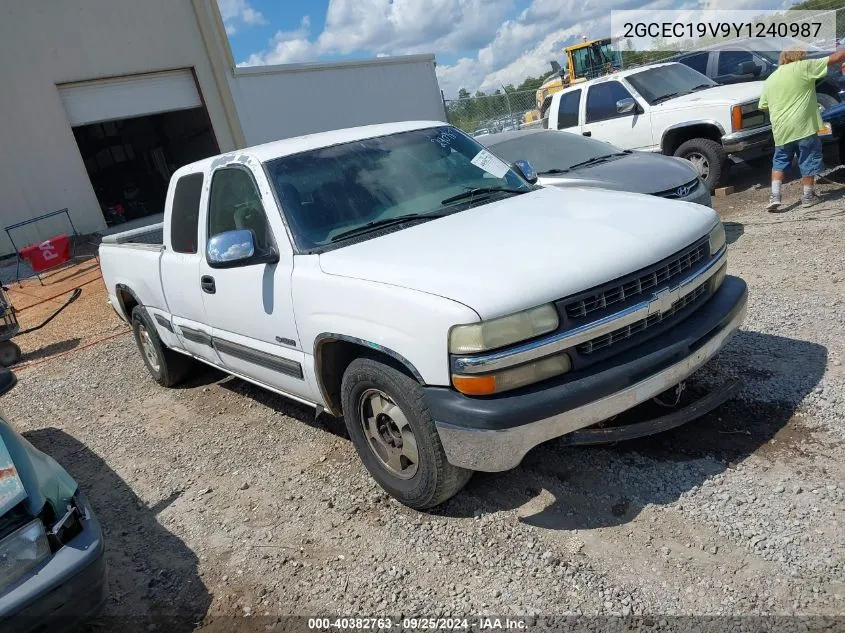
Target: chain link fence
{"points": [[491, 113], [504, 111]]}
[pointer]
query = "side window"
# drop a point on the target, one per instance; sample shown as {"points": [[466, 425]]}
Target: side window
{"points": [[696, 62], [602, 98], [234, 203], [730, 60], [185, 214], [567, 114]]}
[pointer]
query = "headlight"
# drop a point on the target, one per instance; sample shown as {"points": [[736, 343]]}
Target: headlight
{"points": [[513, 377], [748, 115], [717, 238], [487, 335], [21, 551]]}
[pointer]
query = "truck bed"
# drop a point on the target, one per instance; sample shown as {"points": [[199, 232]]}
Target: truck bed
{"points": [[132, 259], [152, 235]]}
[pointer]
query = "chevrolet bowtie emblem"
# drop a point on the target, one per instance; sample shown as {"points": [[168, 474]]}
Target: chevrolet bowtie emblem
{"points": [[663, 300]]}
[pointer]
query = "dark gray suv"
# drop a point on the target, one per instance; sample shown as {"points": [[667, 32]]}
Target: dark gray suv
{"points": [[745, 59]]}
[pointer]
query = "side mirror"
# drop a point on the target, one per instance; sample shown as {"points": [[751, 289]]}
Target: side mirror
{"points": [[237, 248], [747, 67], [526, 170], [624, 106]]}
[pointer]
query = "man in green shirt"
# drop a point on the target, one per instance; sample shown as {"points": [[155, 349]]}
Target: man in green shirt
{"points": [[789, 94]]}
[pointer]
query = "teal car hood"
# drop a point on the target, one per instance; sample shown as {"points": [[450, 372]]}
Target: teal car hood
{"points": [[28, 474]]}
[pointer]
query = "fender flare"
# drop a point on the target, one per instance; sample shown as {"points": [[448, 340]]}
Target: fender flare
{"points": [[123, 288], [330, 337], [686, 124]]}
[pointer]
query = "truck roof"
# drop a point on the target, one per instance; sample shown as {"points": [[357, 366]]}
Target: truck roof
{"points": [[612, 76], [297, 144]]}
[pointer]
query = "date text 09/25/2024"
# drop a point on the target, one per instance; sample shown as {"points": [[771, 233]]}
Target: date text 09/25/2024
{"points": [[422, 624]]}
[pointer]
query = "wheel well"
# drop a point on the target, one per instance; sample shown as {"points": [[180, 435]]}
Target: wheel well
{"points": [[331, 358], [673, 139], [127, 300]]}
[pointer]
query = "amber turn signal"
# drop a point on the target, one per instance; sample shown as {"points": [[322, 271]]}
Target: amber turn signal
{"points": [[475, 385], [736, 118]]}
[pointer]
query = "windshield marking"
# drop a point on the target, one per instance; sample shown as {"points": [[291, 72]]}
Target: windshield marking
{"points": [[489, 163]]}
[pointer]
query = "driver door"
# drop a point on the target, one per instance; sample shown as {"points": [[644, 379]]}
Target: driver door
{"points": [[249, 306], [604, 121]]}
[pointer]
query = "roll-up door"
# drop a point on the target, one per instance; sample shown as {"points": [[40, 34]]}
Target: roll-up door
{"points": [[131, 96]]}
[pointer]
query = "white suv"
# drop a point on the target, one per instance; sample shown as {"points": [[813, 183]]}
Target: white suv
{"points": [[669, 108]]}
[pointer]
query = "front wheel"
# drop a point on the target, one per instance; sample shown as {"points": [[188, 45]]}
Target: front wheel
{"points": [[395, 437], [708, 158]]}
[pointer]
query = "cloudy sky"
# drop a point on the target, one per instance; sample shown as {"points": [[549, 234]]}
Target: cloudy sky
{"points": [[478, 43]]}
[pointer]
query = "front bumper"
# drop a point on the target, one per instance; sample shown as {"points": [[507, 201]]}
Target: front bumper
{"points": [[67, 590], [494, 434], [746, 143]]}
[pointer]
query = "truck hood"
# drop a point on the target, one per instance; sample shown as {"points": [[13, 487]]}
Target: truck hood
{"points": [[717, 95], [639, 172], [526, 250]]}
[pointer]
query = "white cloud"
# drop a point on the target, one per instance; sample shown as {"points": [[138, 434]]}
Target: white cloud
{"points": [[236, 13], [390, 27], [287, 47], [507, 50]]}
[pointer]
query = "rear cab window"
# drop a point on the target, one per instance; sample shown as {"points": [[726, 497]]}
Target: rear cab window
{"points": [[185, 213], [567, 114]]}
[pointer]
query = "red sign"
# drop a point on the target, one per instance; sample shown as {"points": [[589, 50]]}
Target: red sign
{"points": [[47, 254]]}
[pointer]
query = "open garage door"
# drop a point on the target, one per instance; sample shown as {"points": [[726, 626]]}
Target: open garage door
{"points": [[133, 132], [131, 96]]}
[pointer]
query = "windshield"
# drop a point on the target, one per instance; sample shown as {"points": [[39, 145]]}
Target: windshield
{"points": [[552, 151], [329, 192], [595, 60], [672, 80]]}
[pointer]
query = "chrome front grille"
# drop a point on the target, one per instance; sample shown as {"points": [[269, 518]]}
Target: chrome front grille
{"points": [[640, 284], [682, 191], [643, 324]]}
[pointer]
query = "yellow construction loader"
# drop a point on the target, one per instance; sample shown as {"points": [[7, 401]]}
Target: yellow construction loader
{"points": [[583, 61]]}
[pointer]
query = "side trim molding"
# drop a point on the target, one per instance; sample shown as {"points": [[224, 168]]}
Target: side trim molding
{"points": [[164, 323], [257, 357], [195, 336]]}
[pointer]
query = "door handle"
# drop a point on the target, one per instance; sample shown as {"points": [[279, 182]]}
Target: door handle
{"points": [[207, 284], [587, 133]]}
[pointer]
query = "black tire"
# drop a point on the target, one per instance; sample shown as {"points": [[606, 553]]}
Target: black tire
{"points": [[434, 480], [704, 150], [826, 101], [170, 368], [10, 353]]}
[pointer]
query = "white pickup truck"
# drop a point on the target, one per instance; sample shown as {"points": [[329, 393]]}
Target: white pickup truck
{"points": [[669, 108], [455, 314]]}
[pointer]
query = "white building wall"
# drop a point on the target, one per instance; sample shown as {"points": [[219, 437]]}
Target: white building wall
{"points": [[275, 102], [48, 42]]}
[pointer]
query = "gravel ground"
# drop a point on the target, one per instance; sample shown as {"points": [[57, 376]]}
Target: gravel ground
{"points": [[222, 499]]}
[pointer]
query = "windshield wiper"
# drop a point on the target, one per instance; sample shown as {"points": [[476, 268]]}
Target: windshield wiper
{"points": [[596, 159], [664, 97], [375, 225], [550, 172], [702, 87], [480, 191]]}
